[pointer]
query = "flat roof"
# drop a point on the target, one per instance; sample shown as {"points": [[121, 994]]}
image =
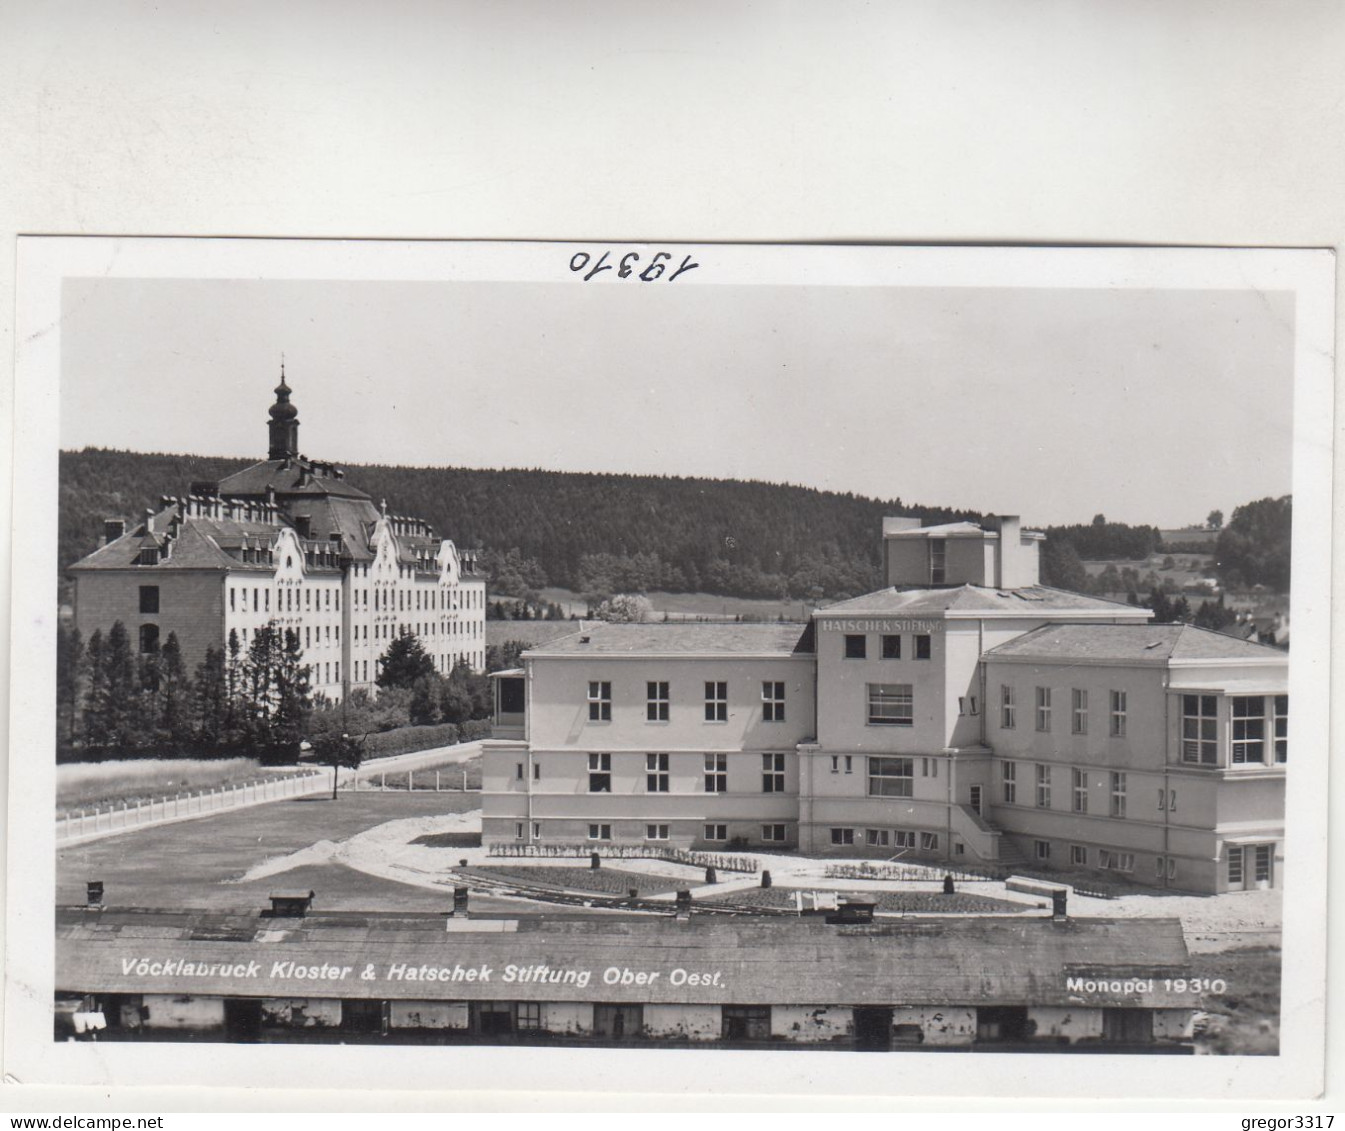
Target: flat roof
{"points": [[1148, 644], [602, 638], [917, 961], [978, 600]]}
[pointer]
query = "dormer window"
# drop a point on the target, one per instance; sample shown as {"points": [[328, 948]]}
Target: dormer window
{"points": [[148, 556]]}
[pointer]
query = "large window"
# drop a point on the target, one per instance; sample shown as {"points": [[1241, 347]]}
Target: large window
{"points": [[1080, 791], [1249, 729], [772, 773], [1281, 728], [922, 647], [772, 701], [891, 647], [656, 701], [600, 773], [891, 704], [1043, 786], [716, 773], [149, 599], [716, 832], [1200, 729], [938, 561], [716, 701], [856, 646], [1007, 710], [656, 832], [600, 832], [843, 836], [891, 777], [1078, 711], [656, 773], [1043, 708], [1118, 714], [774, 834], [1009, 779], [599, 701], [1118, 793], [149, 638]]}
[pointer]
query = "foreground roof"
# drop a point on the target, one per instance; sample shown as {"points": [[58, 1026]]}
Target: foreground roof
{"points": [[930, 961], [601, 638], [1155, 644], [977, 600]]}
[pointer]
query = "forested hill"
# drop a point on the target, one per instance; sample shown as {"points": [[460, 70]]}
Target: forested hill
{"points": [[587, 532]]}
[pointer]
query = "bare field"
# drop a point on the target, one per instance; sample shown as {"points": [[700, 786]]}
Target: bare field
{"points": [[87, 785]]}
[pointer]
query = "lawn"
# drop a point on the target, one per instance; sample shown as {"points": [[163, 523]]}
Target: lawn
{"points": [[87, 785], [423, 777], [606, 881]]}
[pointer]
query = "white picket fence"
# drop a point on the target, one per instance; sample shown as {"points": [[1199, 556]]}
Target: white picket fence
{"points": [[90, 824]]}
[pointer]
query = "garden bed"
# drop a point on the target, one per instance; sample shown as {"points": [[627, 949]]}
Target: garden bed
{"points": [[908, 902], [605, 881]]}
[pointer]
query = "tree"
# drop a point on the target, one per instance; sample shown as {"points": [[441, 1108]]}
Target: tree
{"points": [[294, 697], [625, 608], [1254, 547], [404, 662], [1215, 520], [175, 699], [210, 700], [112, 717], [1062, 568], [424, 706], [339, 751], [69, 661]]}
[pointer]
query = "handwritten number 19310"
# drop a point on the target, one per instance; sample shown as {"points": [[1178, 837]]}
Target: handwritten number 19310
{"points": [[625, 267]]}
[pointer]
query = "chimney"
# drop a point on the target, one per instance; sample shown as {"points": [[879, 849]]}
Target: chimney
{"points": [[683, 906], [113, 528], [461, 895], [1059, 896], [149, 521], [1010, 572], [94, 893]]}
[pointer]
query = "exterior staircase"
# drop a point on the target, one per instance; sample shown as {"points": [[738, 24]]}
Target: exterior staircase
{"points": [[987, 840]]}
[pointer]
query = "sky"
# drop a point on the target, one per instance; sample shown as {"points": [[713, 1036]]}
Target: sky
{"points": [[1150, 406]]}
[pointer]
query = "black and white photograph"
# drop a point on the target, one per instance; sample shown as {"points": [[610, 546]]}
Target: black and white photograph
{"points": [[818, 657]]}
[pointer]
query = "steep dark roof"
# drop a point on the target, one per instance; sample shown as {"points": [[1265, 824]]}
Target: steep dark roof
{"points": [[287, 477], [932, 961]]}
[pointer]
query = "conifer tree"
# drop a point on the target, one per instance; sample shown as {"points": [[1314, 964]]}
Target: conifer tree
{"points": [[404, 662]]}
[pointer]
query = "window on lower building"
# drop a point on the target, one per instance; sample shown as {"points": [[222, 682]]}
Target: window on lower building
{"points": [[772, 773], [537, 830], [938, 560], [923, 647], [842, 836], [600, 773], [1281, 728], [929, 767], [716, 701], [716, 832], [903, 838], [1118, 714], [1078, 855], [149, 638], [1118, 793], [1249, 729], [1200, 729], [1044, 709], [929, 842], [716, 773], [600, 832], [856, 646], [149, 599], [967, 705], [773, 833], [1264, 856], [772, 701], [1007, 711], [1078, 723], [746, 1023], [1041, 849], [1043, 786], [1009, 778], [518, 831], [891, 704], [599, 701], [656, 832], [656, 773], [891, 647], [877, 838], [656, 701], [891, 777]]}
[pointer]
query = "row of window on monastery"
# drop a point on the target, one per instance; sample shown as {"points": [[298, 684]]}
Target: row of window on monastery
{"points": [[322, 600], [658, 701]]}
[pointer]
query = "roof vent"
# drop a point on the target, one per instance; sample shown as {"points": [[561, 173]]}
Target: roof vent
{"points": [[1155, 644], [585, 640], [288, 905]]}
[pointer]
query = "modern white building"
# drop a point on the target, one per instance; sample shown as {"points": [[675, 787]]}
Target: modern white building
{"points": [[964, 714]]}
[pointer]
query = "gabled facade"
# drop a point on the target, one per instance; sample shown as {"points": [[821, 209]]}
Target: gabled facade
{"points": [[286, 541], [920, 721]]}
